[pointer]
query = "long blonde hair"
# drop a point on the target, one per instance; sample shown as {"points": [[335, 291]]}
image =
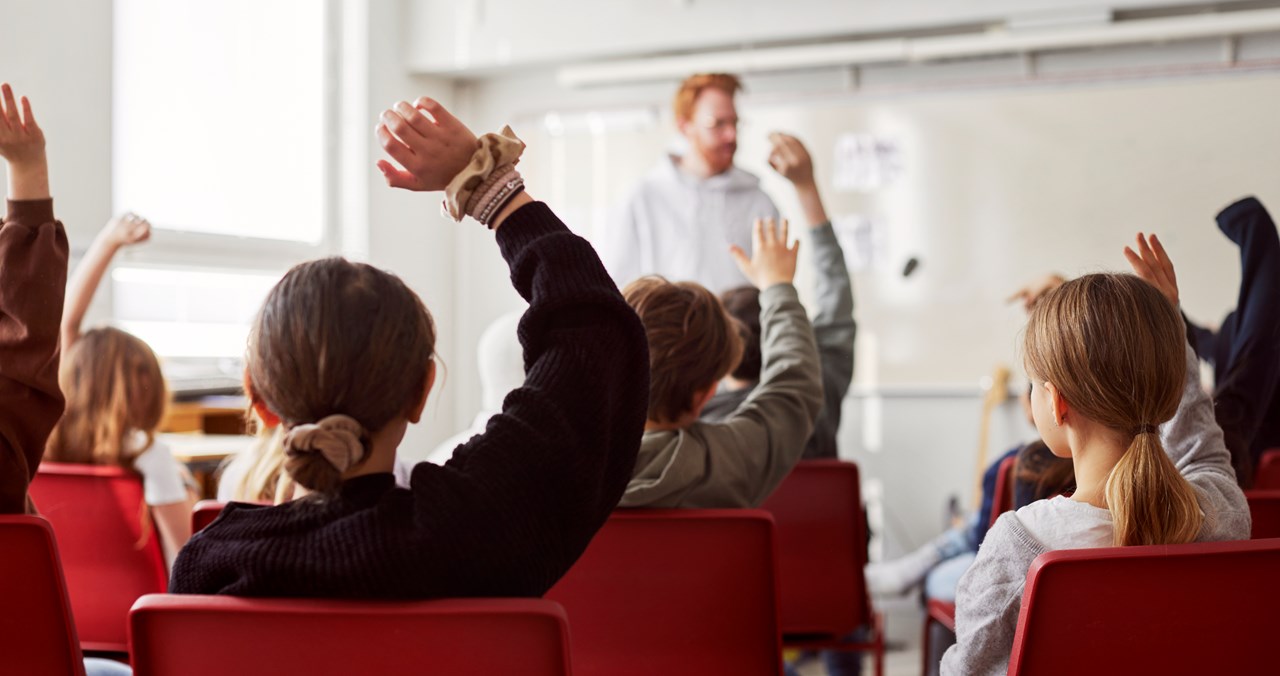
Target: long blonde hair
{"points": [[265, 479], [114, 387], [1113, 346]]}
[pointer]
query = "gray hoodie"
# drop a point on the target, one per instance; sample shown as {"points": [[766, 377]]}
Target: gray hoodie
{"points": [[738, 462], [990, 592]]}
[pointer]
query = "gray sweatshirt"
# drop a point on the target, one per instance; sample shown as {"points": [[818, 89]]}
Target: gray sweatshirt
{"points": [[990, 592], [738, 462], [834, 330]]}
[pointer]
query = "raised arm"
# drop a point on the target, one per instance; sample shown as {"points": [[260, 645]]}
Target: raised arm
{"points": [[834, 328], [550, 467], [33, 276], [1192, 439], [119, 232], [769, 430]]}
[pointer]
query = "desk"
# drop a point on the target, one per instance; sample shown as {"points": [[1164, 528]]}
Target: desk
{"points": [[203, 453], [211, 415]]}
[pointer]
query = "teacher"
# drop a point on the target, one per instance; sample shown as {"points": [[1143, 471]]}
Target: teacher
{"points": [[682, 217]]}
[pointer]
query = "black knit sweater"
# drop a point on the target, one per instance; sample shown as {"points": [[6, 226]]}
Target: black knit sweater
{"points": [[515, 507]]}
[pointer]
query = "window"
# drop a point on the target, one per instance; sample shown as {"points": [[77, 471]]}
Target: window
{"points": [[190, 314], [219, 116], [223, 134]]}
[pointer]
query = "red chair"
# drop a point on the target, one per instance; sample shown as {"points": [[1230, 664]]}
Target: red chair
{"points": [[109, 546], [37, 635], [1264, 507], [1267, 475], [1002, 496], [1205, 608], [675, 592], [190, 635], [204, 513], [822, 545]]}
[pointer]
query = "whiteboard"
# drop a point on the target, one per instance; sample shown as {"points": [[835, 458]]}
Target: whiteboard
{"points": [[995, 187]]}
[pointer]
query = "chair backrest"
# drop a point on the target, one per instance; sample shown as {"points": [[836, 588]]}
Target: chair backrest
{"points": [[1264, 507], [822, 548], [1267, 475], [204, 513], [675, 592], [1199, 608], [191, 635], [109, 546], [1002, 496], [37, 635]]}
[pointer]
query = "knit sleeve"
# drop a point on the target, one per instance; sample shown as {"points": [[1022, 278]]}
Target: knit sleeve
{"points": [[33, 279], [988, 600], [525, 497]]}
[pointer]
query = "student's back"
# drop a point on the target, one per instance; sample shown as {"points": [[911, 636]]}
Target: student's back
{"points": [[693, 343], [1109, 362], [343, 355]]}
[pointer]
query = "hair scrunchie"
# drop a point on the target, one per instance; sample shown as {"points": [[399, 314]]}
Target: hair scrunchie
{"points": [[1145, 429], [339, 438], [493, 151]]}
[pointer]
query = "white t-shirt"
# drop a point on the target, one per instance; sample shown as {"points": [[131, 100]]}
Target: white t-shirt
{"points": [[163, 477], [1063, 523]]}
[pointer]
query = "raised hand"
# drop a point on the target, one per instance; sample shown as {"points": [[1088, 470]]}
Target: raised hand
{"points": [[789, 157], [772, 261], [1151, 263], [126, 229], [1031, 293], [22, 145], [429, 144], [21, 140]]}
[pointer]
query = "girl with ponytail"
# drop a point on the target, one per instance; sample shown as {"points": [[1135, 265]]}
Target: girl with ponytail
{"points": [[1116, 389], [341, 358]]}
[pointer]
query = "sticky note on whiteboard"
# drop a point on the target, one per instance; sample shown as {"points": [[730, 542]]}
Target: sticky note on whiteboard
{"points": [[865, 162]]}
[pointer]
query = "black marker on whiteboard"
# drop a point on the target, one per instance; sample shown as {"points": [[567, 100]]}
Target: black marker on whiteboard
{"points": [[912, 265]]}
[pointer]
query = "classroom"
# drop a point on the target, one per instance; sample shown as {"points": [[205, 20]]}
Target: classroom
{"points": [[615, 337]]}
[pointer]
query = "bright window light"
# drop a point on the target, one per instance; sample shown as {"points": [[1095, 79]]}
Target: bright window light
{"points": [[219, 116], [183, 313]]}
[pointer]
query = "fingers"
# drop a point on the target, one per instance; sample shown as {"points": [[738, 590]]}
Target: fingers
{"points": [[28, 117], [784, 237], [403, 130], [396, 178], [740, 257], [437, 112], [10, 106], [415, 119], [1140, 267], [757, 235], [1165, 262], [394, 146]]}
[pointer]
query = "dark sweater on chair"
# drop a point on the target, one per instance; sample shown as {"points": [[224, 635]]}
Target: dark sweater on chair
{"points": [[515, 507]]}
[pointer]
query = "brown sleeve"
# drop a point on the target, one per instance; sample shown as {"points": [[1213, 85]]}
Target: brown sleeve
{"points": [[33, 280]]}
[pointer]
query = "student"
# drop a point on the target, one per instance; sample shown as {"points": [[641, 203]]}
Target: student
{"points": [[834, 329], [116, 396], [33, 278], [515, 506], [1245, 350], [1109, 361], [693, 343]]}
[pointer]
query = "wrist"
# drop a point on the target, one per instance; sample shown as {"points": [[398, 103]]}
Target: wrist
{"points": [[29, 179]]}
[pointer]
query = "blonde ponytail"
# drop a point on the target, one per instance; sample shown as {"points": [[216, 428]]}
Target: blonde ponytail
{"points": [[1150, 502]]}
